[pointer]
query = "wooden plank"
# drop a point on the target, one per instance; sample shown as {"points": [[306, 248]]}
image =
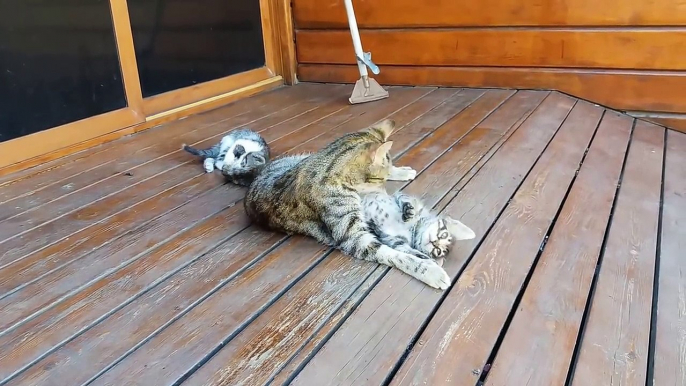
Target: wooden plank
{"points": [[234, 363], [477, 308], [670, 324], [165, 347], [641, 90], [614, 346], [82, 311], [55, 172], [506, 13], [646, 49], [72, 213], [553, 304], [373, 351]]}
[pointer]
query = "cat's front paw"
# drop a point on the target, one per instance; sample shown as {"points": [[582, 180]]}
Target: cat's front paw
{"points": [[436, 277], [403, 173], [409, 211], [208, 165]]}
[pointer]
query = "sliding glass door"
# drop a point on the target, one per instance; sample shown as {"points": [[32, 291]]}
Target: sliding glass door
{"points": [[76, 70]]}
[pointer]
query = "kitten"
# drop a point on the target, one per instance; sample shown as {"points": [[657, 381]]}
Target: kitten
{"points": [[318, 195], [403, 223], [240, 155]]}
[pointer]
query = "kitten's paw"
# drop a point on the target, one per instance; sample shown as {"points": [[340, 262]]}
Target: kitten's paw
{"points": [[403, 173], [436, 277], [440, 261], [408, 211], [208, 165]]}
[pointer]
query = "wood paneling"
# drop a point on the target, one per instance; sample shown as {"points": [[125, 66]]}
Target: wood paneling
{"points": [[646, 49], [622, 54], [677, 123], [450, 13], [624, 90]]}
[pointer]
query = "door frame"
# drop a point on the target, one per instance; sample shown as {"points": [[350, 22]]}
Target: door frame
{"points": [[143, 113]]}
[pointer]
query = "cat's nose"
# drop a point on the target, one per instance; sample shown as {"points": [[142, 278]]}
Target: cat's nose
{"points": [[238, 151]]}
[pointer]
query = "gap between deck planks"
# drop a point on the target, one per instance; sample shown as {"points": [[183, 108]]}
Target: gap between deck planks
{"points": [[393, 104]]}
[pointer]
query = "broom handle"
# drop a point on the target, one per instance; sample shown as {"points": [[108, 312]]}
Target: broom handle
{"points": [[355, 33]]}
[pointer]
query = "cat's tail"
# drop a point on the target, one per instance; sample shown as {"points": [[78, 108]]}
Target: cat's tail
{"points": [[212, 152]]}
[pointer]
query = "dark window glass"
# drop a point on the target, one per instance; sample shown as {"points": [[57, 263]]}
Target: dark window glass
{"points": [[58, 64], [180, 43]]}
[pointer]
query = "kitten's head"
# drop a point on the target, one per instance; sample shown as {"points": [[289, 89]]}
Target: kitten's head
{"points": [[439, 235], [245, 166]]}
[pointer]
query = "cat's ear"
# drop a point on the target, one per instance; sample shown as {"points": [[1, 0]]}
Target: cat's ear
{"points": [[384, 128], [255, 159], [379, 155], [458, 230]]}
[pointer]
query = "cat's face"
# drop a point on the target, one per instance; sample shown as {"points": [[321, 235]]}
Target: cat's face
{"points": [[439, 236]]}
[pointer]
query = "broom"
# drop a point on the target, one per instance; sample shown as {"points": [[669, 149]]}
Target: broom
{"points": [[366, 89]]}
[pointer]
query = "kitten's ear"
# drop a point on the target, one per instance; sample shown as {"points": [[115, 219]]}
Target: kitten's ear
{"points": [[384, 128], [255, 159], [380, 153], [459, 230]]}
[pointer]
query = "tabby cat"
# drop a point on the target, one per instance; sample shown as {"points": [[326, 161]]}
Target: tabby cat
{"points": [[240, 155], [403, 223], [318, 195]]}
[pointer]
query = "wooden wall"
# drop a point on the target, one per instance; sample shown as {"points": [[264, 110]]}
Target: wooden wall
{"points": [[626, 54]]}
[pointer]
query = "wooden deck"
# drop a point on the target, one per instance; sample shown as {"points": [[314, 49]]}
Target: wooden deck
{"points": [[127, 265]]}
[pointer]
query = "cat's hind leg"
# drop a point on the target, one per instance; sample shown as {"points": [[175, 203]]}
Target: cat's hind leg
{"points": [[351, 235]]}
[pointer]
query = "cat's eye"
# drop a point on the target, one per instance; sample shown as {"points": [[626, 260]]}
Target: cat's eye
{"points": [[443, 235]]}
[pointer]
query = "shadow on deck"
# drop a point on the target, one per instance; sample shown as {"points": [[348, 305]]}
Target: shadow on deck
{"points": [[126, 264]]}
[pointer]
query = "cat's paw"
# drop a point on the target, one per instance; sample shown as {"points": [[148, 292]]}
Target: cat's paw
{"points": [[409, 211], [208, 165], [436, 277], [403, 173]]}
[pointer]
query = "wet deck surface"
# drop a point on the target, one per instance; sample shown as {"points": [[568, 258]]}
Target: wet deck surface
{"points": [[127, 265]]}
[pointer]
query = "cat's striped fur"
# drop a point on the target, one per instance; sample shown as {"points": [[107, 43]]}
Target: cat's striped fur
{"points": [[318, 195], [240, 155], [404, 223]]}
